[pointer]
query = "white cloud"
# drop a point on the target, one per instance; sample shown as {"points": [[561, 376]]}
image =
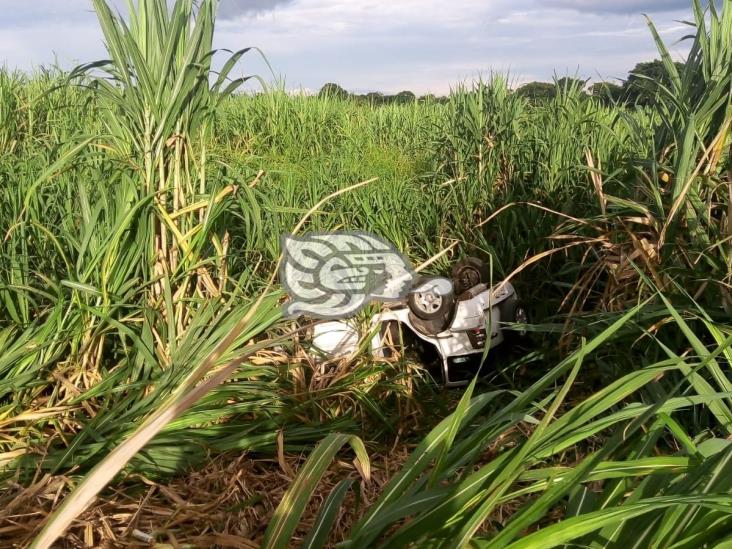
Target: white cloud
{"points": [[229, 9], [386, 45], [30, 47], [619, 6]]}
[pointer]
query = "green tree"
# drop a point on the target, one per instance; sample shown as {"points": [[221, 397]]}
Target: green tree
{"points": [[375, 98], [405, 97], [643, 82], [333, 91], [569, 83], [537, 91], [607, 92]]}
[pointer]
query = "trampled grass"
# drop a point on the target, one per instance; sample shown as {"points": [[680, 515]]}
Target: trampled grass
{"points": [[141, 205]]}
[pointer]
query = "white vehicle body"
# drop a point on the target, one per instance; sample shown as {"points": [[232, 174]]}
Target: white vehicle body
{"points": [[474, 326]]}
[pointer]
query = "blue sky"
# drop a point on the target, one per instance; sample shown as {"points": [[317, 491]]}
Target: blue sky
{"points": [[384, 45]]}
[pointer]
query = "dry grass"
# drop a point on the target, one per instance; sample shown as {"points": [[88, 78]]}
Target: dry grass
{"points": [[228, 503]]}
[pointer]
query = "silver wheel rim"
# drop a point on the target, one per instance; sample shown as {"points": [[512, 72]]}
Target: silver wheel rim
{"points": [[428, 302]]}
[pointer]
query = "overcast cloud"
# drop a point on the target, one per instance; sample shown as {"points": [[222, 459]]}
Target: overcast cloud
{"points": [[619, 6], [384, 45], [234, 8]]}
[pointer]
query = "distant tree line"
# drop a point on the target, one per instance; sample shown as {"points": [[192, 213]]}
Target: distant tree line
{"points": [[638, 89], [376, 98]]}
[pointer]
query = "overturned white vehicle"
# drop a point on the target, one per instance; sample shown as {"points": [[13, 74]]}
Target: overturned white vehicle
{"points": [[461, 318]]}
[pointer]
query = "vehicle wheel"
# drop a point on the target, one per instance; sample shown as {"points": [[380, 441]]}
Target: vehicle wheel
{"points": [[512, 310], [427, 303], [468, 273]]}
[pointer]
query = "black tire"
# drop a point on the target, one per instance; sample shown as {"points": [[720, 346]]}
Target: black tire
{"points": [[430, 305], [512, 310], [429, 327], [468, 273]]}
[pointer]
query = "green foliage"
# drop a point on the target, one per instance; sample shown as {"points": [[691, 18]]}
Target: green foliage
{"points": [[140, 217], [608, 93], [537, 91], [405, 97], [644, 81], [651, 482], [618, 493], [333, 91], [286, 518]]}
